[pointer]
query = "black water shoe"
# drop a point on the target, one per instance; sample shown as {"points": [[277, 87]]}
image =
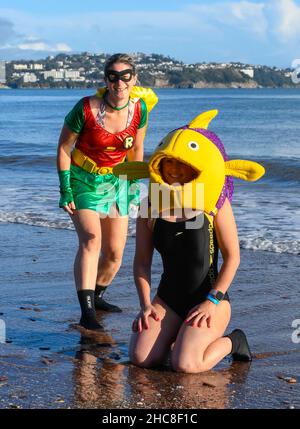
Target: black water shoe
{"points": [[101, 304], [88, 314], [240, 347]]}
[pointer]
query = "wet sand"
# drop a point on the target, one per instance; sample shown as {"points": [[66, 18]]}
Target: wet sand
{"points": [[48, 362]]}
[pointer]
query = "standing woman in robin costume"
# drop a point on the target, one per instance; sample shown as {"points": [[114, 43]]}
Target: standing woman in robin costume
{"points": [[105, 128]]}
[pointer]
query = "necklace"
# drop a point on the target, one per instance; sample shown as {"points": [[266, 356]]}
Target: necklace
{"points": [[112, 107]]}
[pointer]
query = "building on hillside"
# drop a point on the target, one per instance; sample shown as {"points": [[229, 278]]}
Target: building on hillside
{"points": [[29, 78], [55, 74], [72, 74], [2, 72], [36, 66], [20, 66], [249, 72]]}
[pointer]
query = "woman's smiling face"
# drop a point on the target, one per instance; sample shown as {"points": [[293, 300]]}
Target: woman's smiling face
{"points": [[119, 89], [174, 171]]}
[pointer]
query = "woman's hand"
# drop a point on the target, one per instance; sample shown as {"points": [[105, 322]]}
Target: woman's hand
{"points": [[202, 315], [69, 208], [141, 321]]}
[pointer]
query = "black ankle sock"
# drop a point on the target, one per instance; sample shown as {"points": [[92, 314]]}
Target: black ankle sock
{"points": [[88, 314]]}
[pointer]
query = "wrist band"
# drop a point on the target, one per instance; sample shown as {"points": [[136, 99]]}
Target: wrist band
{"points": [[64, 180], [66, 194], [212, 299]]}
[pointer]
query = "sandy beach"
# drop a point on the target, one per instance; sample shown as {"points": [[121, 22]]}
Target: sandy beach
{"points": [[48, 362]]}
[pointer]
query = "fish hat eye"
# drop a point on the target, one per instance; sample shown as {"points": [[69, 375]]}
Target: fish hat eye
{"points": [[193, 145]]}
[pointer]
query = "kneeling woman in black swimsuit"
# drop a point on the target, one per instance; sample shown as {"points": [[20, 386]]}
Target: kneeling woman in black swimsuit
{"points": [[191, 309]]}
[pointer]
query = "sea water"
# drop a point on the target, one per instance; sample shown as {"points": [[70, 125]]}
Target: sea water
{"points": [[262, 125]]}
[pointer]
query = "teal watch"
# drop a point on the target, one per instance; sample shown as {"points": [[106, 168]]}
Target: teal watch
{"points": [[217, 294]]}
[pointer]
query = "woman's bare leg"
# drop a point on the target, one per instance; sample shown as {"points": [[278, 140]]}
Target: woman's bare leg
{"points": [[200, 349], [88, 229], [150, 347], [114, 235]]}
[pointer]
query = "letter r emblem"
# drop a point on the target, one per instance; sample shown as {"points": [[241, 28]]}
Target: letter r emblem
{"points": [[128, 142]]}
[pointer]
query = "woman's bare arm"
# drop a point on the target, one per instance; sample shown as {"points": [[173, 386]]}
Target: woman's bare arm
{"points": [[227, 236], [143, 261], [66, 141]]}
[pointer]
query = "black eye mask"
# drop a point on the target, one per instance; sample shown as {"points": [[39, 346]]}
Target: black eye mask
{"points": [[124, 75]]}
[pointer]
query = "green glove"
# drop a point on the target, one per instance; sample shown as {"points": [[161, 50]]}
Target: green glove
{"points": [[66, 194]]}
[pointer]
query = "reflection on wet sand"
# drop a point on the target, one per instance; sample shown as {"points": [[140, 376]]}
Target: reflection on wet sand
{"points": [[166, 389], [101, 380], [97, 378]]}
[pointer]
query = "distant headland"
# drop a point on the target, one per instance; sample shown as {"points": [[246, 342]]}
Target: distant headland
{"points": [[85, 70]]}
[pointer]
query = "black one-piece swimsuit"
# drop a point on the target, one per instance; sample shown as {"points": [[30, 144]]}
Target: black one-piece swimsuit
{"points": [[190, 263]]}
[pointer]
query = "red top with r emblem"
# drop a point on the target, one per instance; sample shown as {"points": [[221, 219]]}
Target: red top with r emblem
{"points": [[103, 147]]}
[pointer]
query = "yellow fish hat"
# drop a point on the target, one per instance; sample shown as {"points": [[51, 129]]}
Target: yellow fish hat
{"points": [[202, 150]]}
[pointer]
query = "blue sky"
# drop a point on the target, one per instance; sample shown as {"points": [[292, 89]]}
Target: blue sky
{"points": [[250, 31]]}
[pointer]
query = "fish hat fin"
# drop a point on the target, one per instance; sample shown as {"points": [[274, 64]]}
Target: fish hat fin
{"points": [[147, 94], [244, 169], [203, 120], [133, 170]]}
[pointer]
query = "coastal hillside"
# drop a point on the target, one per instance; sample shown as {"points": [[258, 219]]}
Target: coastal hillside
{"points": [[86, 70]]}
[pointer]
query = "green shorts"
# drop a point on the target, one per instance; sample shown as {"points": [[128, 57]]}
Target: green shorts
{"points": [[101, 192]]}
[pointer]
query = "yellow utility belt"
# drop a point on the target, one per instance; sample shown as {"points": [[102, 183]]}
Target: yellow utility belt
{"points": [[88, 164]]}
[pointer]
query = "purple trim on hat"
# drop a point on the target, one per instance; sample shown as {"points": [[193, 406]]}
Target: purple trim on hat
{"points": [[228, 188]]}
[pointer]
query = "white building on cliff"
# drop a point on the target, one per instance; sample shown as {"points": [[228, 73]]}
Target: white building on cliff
{"points": [[2, 73]]}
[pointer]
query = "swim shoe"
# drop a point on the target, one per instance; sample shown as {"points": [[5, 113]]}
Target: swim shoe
{"points": [[240, 347], [101, 304], [88, 314], [90, 323]]}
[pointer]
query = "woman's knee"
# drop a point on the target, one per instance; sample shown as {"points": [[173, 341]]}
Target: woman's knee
{"points": [[90, 243], [142, 363], [188, 365], [144, 354], [112, 256], [143, 360]]}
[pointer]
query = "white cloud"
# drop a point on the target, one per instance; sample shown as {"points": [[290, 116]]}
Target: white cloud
{"points": [[240, 15], [22, 42], [289, 19], [250, 16], [40, 46], [7, 31], [245, 9]]}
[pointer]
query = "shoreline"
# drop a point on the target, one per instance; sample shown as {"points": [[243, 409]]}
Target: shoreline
{"points": [[48, 362], [217, 86]]}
